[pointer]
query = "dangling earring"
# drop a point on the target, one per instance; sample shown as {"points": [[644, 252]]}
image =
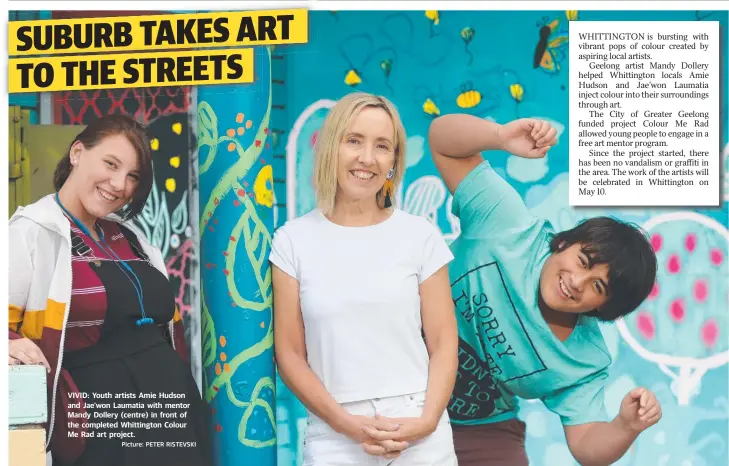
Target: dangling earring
{"points": [[388, 188]]}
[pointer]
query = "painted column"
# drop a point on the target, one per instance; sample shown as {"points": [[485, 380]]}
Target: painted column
{"points": [[236, 226]]}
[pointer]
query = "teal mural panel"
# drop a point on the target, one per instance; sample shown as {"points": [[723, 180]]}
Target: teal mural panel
{"points": [[236, 223], [495, 64]]}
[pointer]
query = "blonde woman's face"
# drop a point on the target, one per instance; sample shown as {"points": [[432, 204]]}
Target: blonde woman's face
{"points": [[366, 155]]}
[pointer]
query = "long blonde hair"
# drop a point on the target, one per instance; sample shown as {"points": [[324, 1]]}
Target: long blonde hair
{"points": [[326, 149]]}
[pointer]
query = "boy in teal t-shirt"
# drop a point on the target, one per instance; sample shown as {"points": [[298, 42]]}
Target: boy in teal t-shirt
{"points": [[495, 277], [528, 301]]}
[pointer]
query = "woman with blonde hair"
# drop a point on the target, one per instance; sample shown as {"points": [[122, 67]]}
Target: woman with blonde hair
{"points": [[365, 332]]}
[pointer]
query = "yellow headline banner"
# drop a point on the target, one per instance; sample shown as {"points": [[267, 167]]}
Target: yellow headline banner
{"points": [[86, 72], [155, 32]]}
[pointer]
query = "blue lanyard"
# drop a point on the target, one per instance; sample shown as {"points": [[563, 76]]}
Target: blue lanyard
{"points": [[116, 259]]}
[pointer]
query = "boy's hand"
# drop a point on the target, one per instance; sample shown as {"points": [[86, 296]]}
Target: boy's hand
{"points": [[639, 410], [527, 137]]}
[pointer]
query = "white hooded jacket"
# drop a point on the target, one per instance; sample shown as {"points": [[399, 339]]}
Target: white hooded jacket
{"points": [[40, 278]]}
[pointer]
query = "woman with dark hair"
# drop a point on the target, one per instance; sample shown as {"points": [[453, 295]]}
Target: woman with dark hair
{"points": [[90, 300]]}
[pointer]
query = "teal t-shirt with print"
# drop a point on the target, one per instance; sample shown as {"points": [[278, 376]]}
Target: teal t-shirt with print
{"points": [[506, 349]]}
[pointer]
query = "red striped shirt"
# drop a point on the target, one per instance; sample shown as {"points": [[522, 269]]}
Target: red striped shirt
{"points": [[88, 293]]}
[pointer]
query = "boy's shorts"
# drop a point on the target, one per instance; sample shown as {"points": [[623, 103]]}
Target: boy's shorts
{"points": [[497, 444]]}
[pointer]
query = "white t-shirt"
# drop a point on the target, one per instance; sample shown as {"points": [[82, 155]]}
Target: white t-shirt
{"points": [[360, 300]]}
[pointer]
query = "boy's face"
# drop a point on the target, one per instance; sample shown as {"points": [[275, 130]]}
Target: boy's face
{"points": [[569, 283]]}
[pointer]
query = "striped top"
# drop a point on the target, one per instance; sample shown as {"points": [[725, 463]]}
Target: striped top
{"points": [[88, 294]]}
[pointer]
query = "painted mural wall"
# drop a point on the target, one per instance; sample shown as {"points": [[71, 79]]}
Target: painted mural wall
{"points": [[236, 225], [487, 64]]}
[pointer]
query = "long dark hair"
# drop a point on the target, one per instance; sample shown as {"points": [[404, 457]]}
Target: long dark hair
{"points": [[136, 134]]}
